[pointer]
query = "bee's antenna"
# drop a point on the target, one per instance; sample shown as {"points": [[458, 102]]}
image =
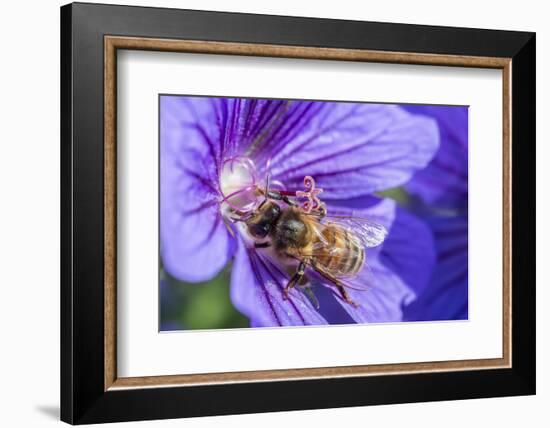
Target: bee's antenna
{"points": [[267, 183], [267, 179]]}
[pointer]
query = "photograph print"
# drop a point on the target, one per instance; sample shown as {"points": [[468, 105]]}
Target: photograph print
{"points": [[285, 213]]}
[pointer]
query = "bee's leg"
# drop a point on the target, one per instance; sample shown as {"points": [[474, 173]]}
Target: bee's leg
{"points": [[262, 244], [279, 197], [345, 295], [288, 201], [243, 218], [321, 210], [342, 289], [295, 278], [306, 288], [228, 226]]}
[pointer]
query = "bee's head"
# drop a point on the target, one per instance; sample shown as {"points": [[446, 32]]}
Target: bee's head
{"points": [[262, 222]]}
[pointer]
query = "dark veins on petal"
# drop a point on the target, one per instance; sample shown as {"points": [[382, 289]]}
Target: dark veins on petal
{"points": [[446, 297], [257, 285]]}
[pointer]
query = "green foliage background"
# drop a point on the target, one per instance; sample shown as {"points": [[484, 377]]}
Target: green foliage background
{"points": [[204, 305]]}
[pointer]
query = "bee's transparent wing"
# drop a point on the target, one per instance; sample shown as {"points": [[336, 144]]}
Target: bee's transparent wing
{"points": [[369, 233], [339, 243]]}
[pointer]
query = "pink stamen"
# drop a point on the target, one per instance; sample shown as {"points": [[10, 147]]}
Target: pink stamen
{"points": [[311, 194]]}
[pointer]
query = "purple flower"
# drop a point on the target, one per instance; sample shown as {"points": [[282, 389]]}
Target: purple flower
{"points": [[215, 155], [442, 189]]}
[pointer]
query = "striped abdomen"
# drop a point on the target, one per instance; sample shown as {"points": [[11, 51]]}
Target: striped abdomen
{"points": [[341, 252]]}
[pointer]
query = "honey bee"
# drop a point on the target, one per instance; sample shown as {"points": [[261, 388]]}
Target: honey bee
{"points": [[306, 237]]}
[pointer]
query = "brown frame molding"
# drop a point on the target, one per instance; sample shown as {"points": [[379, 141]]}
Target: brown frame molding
{"points": [[113, 43]]}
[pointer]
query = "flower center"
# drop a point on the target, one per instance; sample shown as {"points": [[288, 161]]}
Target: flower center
{"points": [[239, 186]]}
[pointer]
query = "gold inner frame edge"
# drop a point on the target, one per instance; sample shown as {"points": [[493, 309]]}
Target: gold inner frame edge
{"points": [[113, 43]]}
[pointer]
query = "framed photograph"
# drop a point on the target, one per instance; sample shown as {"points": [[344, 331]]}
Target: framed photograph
{"points": [[265, 213]]}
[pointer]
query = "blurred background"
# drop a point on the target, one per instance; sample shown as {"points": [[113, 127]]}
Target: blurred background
{"points": [[202, 305]]}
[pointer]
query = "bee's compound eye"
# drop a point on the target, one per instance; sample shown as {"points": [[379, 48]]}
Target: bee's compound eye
{"points": [[276, 209], [259, 230]]}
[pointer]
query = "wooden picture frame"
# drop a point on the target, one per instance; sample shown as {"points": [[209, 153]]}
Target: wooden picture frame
{"points": [[91, 390]]}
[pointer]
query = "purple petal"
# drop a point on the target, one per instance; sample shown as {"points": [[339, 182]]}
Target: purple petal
{"points": [[329, 307], [257, 284], [195, 244], [409, 250], [188, 131], [379, 293], [445, 181], [381, 210], [353, 149], [446, 297], [244, 126], [261, 122]]}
